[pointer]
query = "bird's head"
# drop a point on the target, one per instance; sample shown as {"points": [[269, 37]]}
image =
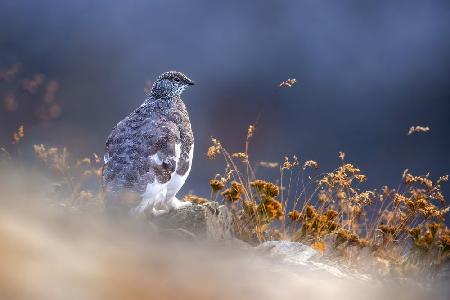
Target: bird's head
{"points": [[170, 84]]}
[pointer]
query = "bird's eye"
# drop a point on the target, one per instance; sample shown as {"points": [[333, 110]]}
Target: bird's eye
{"points": [[177, 79]]}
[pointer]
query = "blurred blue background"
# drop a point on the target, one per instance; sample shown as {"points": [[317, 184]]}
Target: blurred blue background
{"points": [[366, 71]]}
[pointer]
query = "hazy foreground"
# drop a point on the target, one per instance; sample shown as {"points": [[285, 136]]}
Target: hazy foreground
{"points": [[48, 253]]}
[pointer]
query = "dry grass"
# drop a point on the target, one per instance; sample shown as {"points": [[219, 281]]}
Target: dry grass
{"points": [[30, 94], [288, 83], [415, 129], [402, 228], [77, 182], [75, 188]]}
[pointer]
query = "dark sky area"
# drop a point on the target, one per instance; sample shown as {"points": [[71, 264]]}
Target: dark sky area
{"points": [[366, 71]]}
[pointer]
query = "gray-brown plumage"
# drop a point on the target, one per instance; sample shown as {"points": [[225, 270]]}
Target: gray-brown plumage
{"points": [[148, 155]]}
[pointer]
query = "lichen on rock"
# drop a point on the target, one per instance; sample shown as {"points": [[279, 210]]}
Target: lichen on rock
{"points": [[207, 221]]}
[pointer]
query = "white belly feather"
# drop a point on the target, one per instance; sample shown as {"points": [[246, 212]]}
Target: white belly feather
{"points": [[177, 181], [160, 195]]}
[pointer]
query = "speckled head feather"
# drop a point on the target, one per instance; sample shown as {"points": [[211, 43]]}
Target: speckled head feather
{"points": [[170, 84]]}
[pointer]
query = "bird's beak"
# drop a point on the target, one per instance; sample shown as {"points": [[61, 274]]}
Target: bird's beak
{"points": [[191, 82]]}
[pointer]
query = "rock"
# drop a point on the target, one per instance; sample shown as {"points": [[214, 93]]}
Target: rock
{"points": [[207, 221], [219, 221], [294, 254], [288, 252]]}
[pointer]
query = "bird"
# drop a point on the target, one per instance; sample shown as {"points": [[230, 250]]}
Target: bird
{"points": [[148, 155]]}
